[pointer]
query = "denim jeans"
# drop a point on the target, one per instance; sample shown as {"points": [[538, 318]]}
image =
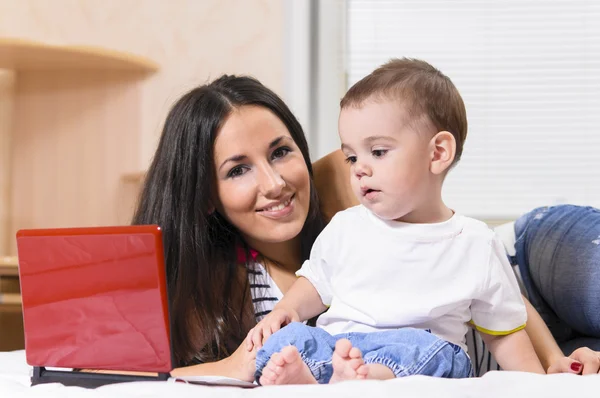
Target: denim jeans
{"points": [[405, 351], [558, 252]]}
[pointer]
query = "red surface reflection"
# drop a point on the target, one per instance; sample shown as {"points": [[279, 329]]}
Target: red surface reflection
{"points": [[95, 298]]}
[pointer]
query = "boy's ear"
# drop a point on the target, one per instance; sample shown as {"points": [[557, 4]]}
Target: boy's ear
{"points": [[443, 150]]}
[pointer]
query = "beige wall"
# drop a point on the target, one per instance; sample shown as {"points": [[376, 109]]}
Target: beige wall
{"points": [[67, 138], [191, 40], [7, 91]]}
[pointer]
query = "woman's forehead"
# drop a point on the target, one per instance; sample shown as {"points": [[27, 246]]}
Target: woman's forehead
{"points": [[249, 128]]}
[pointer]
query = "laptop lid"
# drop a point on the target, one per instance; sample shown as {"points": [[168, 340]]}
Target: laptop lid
{"points": [[95, 298]]}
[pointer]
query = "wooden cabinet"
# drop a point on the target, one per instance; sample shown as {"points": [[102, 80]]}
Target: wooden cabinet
{"points": [[11, 318], [70, 129]]}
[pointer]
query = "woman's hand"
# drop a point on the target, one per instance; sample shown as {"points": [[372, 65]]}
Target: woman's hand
{"points": [[270, 324], [581, 361], [242, 363]]}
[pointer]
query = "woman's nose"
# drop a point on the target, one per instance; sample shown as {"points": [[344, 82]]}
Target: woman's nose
{"points": [[272, 183]]}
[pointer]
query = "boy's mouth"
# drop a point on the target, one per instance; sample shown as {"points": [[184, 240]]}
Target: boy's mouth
{"points": [[369, 193]]}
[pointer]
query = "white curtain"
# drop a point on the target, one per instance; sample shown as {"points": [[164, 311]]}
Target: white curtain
{"points": [[529, 72]]}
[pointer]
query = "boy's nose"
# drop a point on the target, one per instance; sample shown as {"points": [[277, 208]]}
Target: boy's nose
{"points": [[361, 170]]}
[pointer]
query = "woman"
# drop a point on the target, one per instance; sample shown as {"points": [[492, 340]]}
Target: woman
{"points": [[231, 173]]}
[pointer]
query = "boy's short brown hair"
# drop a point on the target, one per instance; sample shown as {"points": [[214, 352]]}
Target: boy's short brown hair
{"points": [[424, 90]]}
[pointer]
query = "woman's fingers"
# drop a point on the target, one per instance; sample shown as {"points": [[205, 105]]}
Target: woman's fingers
{"points": [[257, 336], [565, 365], [266, 334], [592, 366], [589, 358], [249, 343], [275, 326], [582, 361]]}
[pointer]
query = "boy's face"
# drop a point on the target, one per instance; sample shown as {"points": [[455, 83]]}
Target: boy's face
{"points": [[390, 160]]}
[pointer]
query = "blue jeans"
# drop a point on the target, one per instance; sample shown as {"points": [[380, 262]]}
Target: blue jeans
{"points": [[405, 351], [558, 252]]}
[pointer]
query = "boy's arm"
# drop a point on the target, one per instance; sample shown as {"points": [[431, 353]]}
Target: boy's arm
{"points": [[303, 298], [514, 351], [301, 302]]}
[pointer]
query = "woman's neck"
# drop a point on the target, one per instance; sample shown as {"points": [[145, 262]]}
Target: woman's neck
{"points": [[283, 254]]}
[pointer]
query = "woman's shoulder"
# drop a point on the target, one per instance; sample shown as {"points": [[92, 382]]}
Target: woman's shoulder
{"points": [[332, 181]]}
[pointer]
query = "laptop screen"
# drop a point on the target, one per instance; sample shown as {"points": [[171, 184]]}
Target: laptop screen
{"points": [[95, 298]]}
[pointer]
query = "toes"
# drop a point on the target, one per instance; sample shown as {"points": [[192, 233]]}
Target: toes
{"points": [[355, 363], [268, 377], [362, 371], [274, 368], [277, 359], [289, 354], [343, 347], [355, 353]]}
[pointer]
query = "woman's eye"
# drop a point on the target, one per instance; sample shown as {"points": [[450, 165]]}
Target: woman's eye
{"points": [[379, 152], [280, 152], [351, 159], [236, 171]]}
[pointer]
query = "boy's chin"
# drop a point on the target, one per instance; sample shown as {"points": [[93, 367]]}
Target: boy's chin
{"points": [[381, 211]]}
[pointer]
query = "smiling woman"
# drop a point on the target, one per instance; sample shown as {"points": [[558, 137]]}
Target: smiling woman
{"points": [[263, 184], [231, 187]]}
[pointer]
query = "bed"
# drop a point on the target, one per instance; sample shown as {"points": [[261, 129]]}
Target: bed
{"points": [[14, 382], [15, 373]]}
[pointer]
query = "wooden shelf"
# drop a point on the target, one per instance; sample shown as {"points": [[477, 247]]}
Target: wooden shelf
{"points": [[9, 266], [17, 54], [9, 261], [10, 298]]}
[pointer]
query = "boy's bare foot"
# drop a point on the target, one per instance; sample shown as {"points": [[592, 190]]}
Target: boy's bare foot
{"points": [[286, 367], [347, 363]]}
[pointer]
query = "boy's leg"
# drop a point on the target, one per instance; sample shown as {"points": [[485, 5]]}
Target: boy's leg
{"points": [[296, 354], [410, 351]]}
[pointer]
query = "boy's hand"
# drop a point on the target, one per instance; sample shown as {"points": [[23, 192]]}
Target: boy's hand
{"points": [[269, 325]]}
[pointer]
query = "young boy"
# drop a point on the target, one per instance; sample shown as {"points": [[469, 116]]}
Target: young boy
{"points": [[401, 275]]}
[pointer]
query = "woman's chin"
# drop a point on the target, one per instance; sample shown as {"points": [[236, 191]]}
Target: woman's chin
{"points": [[275, 232]]}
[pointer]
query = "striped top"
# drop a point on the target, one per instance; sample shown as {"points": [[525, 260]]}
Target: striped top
{"points": [[263, 290]]}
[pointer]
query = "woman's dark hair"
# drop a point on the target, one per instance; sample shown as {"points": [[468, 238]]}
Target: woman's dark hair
{"points": [[208, 299]]}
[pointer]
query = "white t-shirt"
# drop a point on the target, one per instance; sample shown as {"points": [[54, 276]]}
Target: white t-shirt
{"points": [[381, 275]]}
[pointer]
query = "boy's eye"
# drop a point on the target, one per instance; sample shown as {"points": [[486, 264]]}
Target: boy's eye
{"points": [[236, 171], [280, 152], [379, 152], [351, 159]]}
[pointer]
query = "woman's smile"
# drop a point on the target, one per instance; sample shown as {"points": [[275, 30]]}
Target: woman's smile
{"points": [[278, 209]]}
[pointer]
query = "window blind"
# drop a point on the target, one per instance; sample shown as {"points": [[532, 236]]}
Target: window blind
{"points": [[529, 73]]}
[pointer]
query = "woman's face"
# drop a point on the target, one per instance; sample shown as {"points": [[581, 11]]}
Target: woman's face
{"points": [[262, 181]]}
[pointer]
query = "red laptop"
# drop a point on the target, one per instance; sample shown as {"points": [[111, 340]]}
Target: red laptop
{"points": [[94, 298]]}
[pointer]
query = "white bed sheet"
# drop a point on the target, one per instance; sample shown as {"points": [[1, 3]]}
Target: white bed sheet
{"points": [[15, 373]]}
